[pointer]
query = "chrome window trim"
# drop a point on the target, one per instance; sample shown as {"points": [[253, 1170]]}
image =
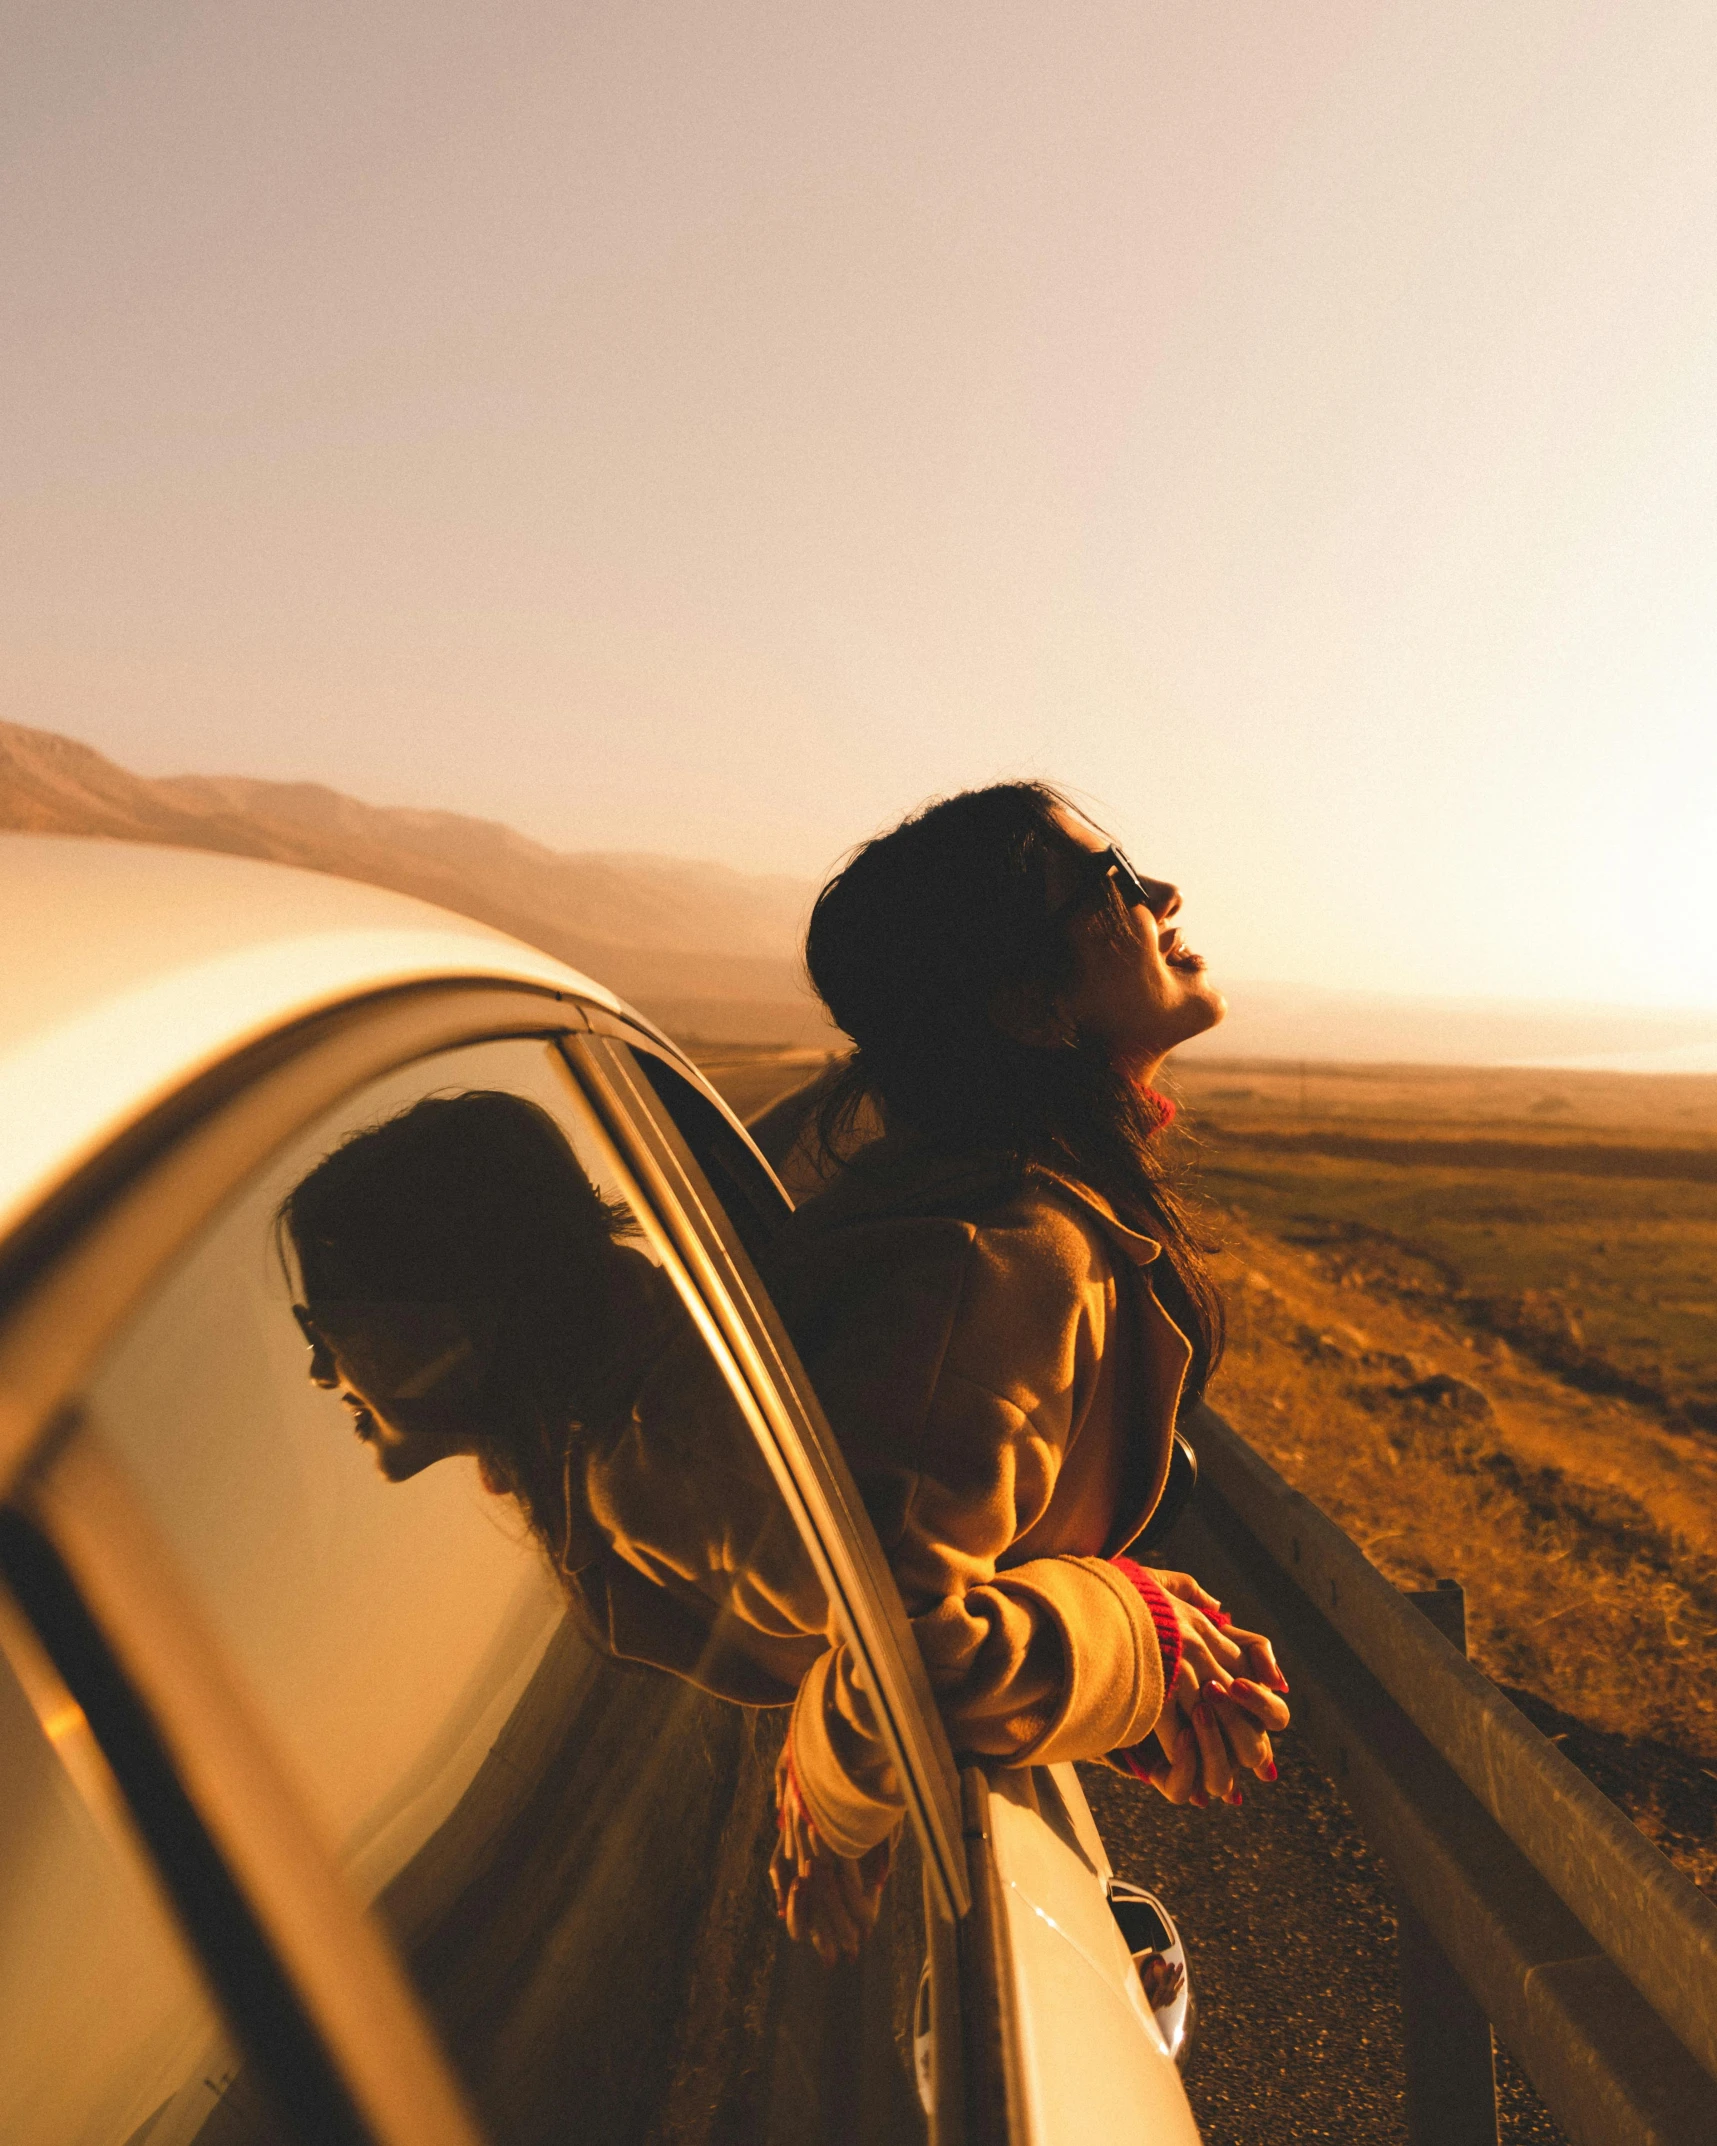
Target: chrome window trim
{"points": [[603, 1023]]}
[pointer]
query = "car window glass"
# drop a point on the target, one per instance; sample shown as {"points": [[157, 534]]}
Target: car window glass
{"points": [[107, 2036], [750, 1197], [471, 1501]]}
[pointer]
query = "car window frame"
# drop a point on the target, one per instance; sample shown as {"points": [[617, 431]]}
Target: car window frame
{"points": [[807, 1457]]}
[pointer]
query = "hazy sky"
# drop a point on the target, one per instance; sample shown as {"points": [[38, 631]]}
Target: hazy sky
{"points": [[711, 428]]}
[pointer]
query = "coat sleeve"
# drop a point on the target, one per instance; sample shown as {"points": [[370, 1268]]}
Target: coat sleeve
{"points": [[678, 1546], [957, 1436]]}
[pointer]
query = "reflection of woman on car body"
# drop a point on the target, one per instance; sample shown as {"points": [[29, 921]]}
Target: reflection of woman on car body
{"points": [[467, 1290], [1002, 1309]]}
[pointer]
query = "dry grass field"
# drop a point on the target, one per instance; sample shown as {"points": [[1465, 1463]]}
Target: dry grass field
{"points": [[1474, 1316]]}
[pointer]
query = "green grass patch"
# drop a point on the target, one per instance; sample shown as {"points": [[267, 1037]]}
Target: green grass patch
{"points": [[1596, 1276]]}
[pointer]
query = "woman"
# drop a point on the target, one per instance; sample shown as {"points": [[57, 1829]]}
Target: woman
{"points": [[1002, 1308]]}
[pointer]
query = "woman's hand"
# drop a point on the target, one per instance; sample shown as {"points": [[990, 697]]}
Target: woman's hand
{"points": [[1213, 1643], [1223, 1707], [827, 1901], [1208, 1735], [1163, 1979]]}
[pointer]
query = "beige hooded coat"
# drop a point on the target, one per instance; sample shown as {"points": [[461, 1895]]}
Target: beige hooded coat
{"points": [[993, 1359]]}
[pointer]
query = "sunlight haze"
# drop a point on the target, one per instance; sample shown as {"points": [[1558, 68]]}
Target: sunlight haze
{"points": [[711, 431]]}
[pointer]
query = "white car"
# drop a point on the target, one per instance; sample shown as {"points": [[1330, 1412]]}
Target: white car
{"points": [[327, 1811]]}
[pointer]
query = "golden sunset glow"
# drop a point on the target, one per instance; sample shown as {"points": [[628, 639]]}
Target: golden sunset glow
{"points": [[708, 433]]}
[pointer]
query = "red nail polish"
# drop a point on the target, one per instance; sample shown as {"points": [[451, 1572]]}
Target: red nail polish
{"points": [[1269, 1772], [1239, 1799]]}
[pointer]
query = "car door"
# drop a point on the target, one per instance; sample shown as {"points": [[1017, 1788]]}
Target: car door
{"points": [[448, 1844]]}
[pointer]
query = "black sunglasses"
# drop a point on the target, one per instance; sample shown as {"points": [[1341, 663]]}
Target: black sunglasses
{"points": [[403, 1348], [1106, 864]]}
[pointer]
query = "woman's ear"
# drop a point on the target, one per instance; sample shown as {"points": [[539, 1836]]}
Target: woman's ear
{"points": [[1028, 1013]]}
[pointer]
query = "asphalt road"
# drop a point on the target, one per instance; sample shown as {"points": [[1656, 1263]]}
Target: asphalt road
{"points": [[1290, 1938]]}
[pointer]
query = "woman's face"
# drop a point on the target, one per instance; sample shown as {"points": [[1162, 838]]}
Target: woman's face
{"points": [[408, 1417], [1143, 994]]}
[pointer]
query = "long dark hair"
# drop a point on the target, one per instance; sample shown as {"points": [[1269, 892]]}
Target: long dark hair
{"points": [[909, 945], [474, 1206]]}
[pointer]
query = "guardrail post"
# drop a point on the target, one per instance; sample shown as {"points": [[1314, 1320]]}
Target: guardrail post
{"points": [[1450, 2057]]}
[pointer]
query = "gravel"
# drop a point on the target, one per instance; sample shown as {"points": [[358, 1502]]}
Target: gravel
{"points": [[1289, 1928]]}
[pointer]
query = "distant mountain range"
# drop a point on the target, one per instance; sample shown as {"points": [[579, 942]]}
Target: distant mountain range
{"points": [[706, 951], [712, 953]]}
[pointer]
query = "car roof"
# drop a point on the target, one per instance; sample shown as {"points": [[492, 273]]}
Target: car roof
{"points": [[131, 967]]}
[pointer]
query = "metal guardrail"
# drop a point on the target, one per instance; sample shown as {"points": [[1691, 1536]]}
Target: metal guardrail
{"points": [[1592, 1956]]}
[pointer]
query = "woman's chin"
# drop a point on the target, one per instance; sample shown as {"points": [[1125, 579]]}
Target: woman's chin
{"points": [[401, 1456], [1141, 1053]]}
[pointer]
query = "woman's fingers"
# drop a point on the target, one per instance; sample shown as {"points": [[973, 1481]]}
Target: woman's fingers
{"points": [[1188, 1683], [781, 1874], [1249, 1743], [1198, 1763], [1162, 1980], [1247, 1714], [1180, 1783], [823, 1916], [1175, 1775], [1207, 1654], [1185, 1588], [810, 1920], [1261, 1664], [1211, 1731], [828, 1901], [1224, 1646], [1231, 1653], [802, 1839], [1216, 1770], [809, 1930], [1265, 1707]]}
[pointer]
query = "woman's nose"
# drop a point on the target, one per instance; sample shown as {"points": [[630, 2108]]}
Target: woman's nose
{"points": [[1164, 900], [323, 1369]]}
